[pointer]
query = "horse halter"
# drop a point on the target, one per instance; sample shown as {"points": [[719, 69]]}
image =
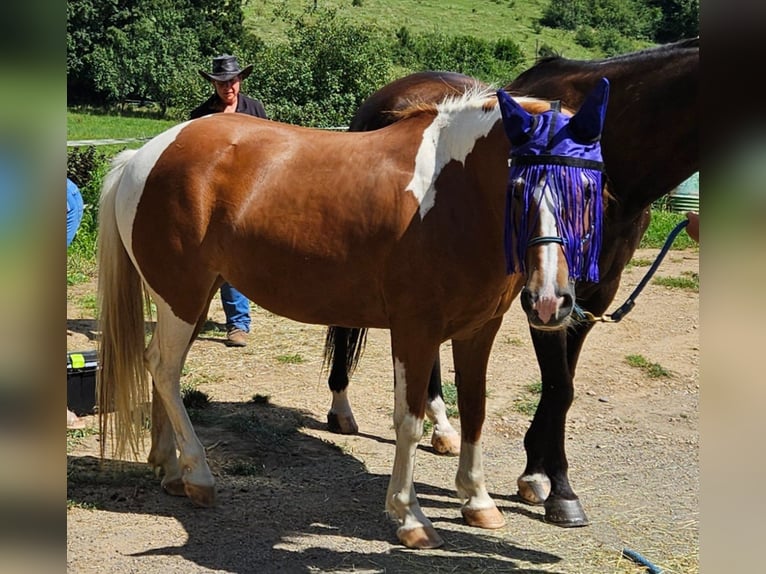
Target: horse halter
{"points": [[565, 153]]}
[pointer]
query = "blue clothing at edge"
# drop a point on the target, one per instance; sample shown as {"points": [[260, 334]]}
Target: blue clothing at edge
{"points": [[74, 210]]}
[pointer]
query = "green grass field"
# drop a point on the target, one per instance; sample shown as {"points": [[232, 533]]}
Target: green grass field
{"points": [[486, 19]]}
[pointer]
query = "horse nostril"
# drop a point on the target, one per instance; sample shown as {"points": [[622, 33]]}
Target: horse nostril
{"points": [[567, 303], [526, 299]]}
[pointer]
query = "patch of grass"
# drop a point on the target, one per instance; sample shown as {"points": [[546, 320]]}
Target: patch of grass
{"points": [[292, 359], [653, 370], [74, 437], [689, 281], [638, 262], [449, 393], [89, 303], [243, 468], [77, 504], [661, 225], [527, 405], [513, 341]]}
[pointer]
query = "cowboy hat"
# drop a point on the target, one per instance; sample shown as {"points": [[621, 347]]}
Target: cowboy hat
{"points": [[225, 68]]}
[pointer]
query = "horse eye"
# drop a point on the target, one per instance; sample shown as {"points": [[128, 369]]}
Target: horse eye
{"points": [[518, 187]]}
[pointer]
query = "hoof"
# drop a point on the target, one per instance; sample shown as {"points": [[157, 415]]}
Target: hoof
{"points": [[446, 444], [174, 487], [202, 496], [534, 489], [420, 537], [489, 518], [565, 513], [341, 424]]}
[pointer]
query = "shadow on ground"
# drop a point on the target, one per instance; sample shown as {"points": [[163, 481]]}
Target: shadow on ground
{"points": [[288, 502]]}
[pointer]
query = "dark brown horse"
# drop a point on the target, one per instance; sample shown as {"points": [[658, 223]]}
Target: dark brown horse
{"points": [[650, 145], [429, 228]]}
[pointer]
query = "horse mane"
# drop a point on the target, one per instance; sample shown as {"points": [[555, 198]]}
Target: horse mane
{"points": [[477, 97], [543, 65]]}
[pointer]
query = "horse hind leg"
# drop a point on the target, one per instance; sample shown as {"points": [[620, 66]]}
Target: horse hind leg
{"points": [[189, 473], [444, 438], [340, 347]]}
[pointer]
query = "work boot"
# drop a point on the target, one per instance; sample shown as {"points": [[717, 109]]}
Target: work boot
{"points": [[236, 337]]}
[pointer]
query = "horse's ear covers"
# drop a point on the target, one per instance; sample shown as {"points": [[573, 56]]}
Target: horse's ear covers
{"points": [[588, 123], [565, 153], [518, 123]]}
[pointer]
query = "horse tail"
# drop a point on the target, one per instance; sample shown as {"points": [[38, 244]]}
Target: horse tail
{"points": [[352, 340], [122, 381]]}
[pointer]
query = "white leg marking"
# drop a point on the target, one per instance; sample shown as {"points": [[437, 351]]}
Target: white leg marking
{"points": [[401, 500], [470, 478], [165, 362], [445, 438]]}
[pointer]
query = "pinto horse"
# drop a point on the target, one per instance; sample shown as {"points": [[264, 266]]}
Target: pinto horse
{"points": [[420, 228], [650, 145]]}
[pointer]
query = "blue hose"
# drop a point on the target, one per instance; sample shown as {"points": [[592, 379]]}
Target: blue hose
{"points": [[638, 559]]}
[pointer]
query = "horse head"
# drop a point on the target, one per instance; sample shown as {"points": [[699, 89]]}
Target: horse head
{"points": [[554, 203]]}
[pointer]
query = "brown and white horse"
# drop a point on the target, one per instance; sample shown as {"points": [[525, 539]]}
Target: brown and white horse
{"points": [[412, 228], [650, 145]]}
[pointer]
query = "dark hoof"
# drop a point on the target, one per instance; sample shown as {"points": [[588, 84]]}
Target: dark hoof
{"points": [[565, 513], [341, 425]]}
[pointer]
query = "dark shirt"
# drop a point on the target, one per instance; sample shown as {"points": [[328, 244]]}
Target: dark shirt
{"points": [[245, 105]]}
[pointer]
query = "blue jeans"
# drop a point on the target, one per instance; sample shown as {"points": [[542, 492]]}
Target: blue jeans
{"points": [[236, 308], [74, 209]]}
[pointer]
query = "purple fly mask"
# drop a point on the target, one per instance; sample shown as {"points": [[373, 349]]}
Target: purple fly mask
{"points": [[566, 151]]}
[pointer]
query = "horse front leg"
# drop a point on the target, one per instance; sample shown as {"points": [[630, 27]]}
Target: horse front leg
{"points": [[411, 367], [444, 438], [545, 479], [471, 357]]}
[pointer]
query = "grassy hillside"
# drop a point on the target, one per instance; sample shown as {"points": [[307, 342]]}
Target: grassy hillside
{"points": [[487, 19]]}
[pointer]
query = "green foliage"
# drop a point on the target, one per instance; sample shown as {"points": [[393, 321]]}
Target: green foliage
{"points": [[527, 405], [291, 359], [680, 19], [661, 225], [146, 49], [320, 75], [449, 393], [614, 26], [653, 370], [690, 281], [493, 62]]}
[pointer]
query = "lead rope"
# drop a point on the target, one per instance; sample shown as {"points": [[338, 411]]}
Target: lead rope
{"points": [[630, 302]]}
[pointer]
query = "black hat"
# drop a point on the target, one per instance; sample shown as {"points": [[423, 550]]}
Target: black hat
{"points": [[225, 68]]}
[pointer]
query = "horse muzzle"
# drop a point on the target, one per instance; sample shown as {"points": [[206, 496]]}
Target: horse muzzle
{"points": [[549, 310]]}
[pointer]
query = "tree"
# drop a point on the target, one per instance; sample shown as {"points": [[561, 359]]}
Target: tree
{"points": [[146, 49]]}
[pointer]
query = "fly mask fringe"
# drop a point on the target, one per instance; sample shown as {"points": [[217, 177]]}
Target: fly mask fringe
{"points": [[578, 216]]}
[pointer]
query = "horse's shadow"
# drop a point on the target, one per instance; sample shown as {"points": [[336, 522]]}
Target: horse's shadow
{"points": [[276, 488]]}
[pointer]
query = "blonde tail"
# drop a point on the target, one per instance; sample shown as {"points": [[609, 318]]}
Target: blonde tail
{"points": [[122, 380]]}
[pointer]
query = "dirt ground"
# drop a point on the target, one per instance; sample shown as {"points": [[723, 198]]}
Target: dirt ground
{"points": [[293, 497]]}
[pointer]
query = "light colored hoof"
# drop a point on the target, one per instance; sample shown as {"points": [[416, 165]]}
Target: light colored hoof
{"points": [[534, 489], [420, 537], [203, 496], [446, 444], [174, 487], [341, 424], [489, 518]]}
